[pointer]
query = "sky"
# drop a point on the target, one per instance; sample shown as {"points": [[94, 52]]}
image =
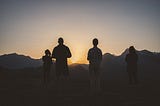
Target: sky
{"points": [[31, 26]]}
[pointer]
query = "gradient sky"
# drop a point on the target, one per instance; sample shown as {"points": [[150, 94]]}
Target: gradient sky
{"points": [[30, 26]]}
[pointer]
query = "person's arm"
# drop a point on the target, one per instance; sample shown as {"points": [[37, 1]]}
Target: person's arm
{"points": [[100, 55], [89, 55], [53, 53], [68, 53]]}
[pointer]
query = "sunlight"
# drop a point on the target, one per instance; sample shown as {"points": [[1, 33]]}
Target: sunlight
{"points": [[79, 54]]}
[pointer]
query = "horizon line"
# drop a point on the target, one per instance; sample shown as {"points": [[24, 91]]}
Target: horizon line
{"points": [[103, 53]]}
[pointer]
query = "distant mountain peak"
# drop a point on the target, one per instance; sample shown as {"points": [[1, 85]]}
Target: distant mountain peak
{"points": [[11, 54], [15, 54], [126, 51], [108, 54], [146, 52], [17, 61]]}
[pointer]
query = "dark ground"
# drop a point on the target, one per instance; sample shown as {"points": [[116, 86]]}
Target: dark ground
{"points": [[24, 88]]}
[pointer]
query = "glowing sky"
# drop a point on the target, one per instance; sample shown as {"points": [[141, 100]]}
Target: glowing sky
{"points": [[28, 27]]}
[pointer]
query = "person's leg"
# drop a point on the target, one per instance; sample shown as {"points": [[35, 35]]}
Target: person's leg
{"points": [[92, 78], [98, 83], [44, 78], [63, 81], [48, 76], [94, 82], [91, 81], [130, 77], [97, 74], [60, 84], [66, 75], [67, 80], [135, 77], [57, 80], [58, 72]]}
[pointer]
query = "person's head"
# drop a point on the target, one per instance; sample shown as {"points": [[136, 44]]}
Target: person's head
{"points": [[60, 41], [95, 41], [132, 49], [47, 52]]}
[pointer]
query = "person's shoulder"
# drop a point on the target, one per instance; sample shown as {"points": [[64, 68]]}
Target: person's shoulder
{"points": [[66, 46], [91, 49], [99, 49], [61, 47], [56, 47]]}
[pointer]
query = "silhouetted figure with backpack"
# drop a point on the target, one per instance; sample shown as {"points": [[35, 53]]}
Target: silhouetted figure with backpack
{"points": [[131, 60], [47, 62], [94, 58], [61, 53]]}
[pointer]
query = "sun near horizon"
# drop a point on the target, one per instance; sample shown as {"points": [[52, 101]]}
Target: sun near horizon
{"points": [[30, 27]]}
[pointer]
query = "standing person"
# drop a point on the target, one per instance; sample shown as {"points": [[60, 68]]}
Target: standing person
{"points": [[47, 62], [131, 60], [94, 58], [61, 53]]}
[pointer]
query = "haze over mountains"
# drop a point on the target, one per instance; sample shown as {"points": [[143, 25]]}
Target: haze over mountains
{"points": [[109, 62]]}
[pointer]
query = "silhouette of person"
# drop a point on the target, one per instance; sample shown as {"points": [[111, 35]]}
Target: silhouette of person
{"points": [[94, 58], [61, 53], [47, 62], [131, 60]]}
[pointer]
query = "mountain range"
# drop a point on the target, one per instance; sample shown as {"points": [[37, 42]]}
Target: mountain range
{"points": [[114, 67], [16, 61], [145, 58], [148, 59]]}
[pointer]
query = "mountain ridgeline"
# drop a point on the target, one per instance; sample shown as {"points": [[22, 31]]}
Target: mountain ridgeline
{"points": [[147, 60], [114, 67], [16, 61]]}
